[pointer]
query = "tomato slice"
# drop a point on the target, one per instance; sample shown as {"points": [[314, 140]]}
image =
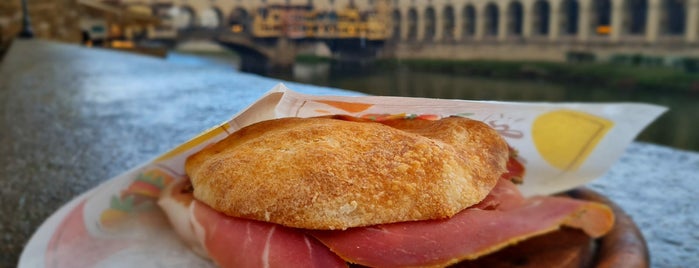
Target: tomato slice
{"points": [[515, 169]]}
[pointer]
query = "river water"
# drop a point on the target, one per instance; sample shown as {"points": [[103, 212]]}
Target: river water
{"points": [[675, 128]]}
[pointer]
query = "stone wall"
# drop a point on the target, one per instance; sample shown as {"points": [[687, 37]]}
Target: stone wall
{"points": [[50, 19], [10, 21], [542, 51]]}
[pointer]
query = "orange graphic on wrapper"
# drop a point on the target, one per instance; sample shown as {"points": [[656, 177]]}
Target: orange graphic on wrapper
{"points": [[351, 107], [137, 203], [565, 138]]}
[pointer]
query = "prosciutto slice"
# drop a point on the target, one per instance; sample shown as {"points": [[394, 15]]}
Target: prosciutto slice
{"points": [[502, 219], [235, 242]]}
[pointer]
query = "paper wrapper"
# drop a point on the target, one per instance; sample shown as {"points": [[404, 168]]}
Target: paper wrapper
{"points": [[118, 223]]}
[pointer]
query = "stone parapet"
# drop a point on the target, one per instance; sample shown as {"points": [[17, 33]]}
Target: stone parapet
{"points": [[50, 19], [10, 22]]}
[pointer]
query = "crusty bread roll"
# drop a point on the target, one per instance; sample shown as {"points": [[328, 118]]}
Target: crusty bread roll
{"points": [[325, 173]]}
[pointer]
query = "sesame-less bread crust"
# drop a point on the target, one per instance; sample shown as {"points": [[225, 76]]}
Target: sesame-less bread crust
{"points": [[324, 173]]}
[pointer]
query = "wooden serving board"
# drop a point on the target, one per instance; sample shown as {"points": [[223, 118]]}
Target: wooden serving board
{"points": [[623, 247]]}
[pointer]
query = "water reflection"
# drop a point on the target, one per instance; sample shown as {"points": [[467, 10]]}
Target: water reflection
{"points": [[675, 128]]}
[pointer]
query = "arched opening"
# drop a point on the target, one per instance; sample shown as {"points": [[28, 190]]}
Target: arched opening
{"points": [[570, 12], [430, 24], [395, 20], [449, 23], [515, 15], [183, 17], [542, 15], [239, 20], [468, 18], [210, 18], [601, 20], [491, 19], [674, 17], [412, 24], [636, 12]]}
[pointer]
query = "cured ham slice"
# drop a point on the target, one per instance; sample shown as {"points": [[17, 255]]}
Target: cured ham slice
{"points": [[502, 219], [175, 201], [504, 196], [235, 242]]}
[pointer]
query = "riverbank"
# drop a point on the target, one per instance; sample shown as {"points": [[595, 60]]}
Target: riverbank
{"points": [[524, 81], [598, 75], [498, 81]]}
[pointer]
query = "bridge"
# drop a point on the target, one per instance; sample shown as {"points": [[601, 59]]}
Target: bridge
{"points": [[275, 33], [260, 55], [550, 30], [257, 56]]}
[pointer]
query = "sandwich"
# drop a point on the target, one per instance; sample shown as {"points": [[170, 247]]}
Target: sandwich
{"points": [[338, 190]]}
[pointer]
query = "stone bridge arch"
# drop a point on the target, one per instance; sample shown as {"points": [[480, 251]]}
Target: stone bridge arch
{"points": [[634, 17], [541, 17], [240, 19], [448, 23], [600, 17], [569, 17], [673, 17], [211, 18], [491, 13], [515, 18], [413, 25], [258, 58], [469, 17], [396, 25], [183, 17], [430, 24]]}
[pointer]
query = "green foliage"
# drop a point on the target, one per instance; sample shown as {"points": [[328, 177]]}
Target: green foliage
{"points": [[125, 204], [650, 76], [155, 180], [690, 65], [306, 58]]}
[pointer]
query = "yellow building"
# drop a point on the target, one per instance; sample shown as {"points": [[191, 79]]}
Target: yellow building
{"points": [[464, 29]]}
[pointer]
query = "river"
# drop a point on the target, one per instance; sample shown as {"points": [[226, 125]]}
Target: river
{"points": [[676, 128]]}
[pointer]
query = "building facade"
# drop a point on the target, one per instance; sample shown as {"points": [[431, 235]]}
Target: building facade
{"points": [[646, 21], [507, 29]]}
